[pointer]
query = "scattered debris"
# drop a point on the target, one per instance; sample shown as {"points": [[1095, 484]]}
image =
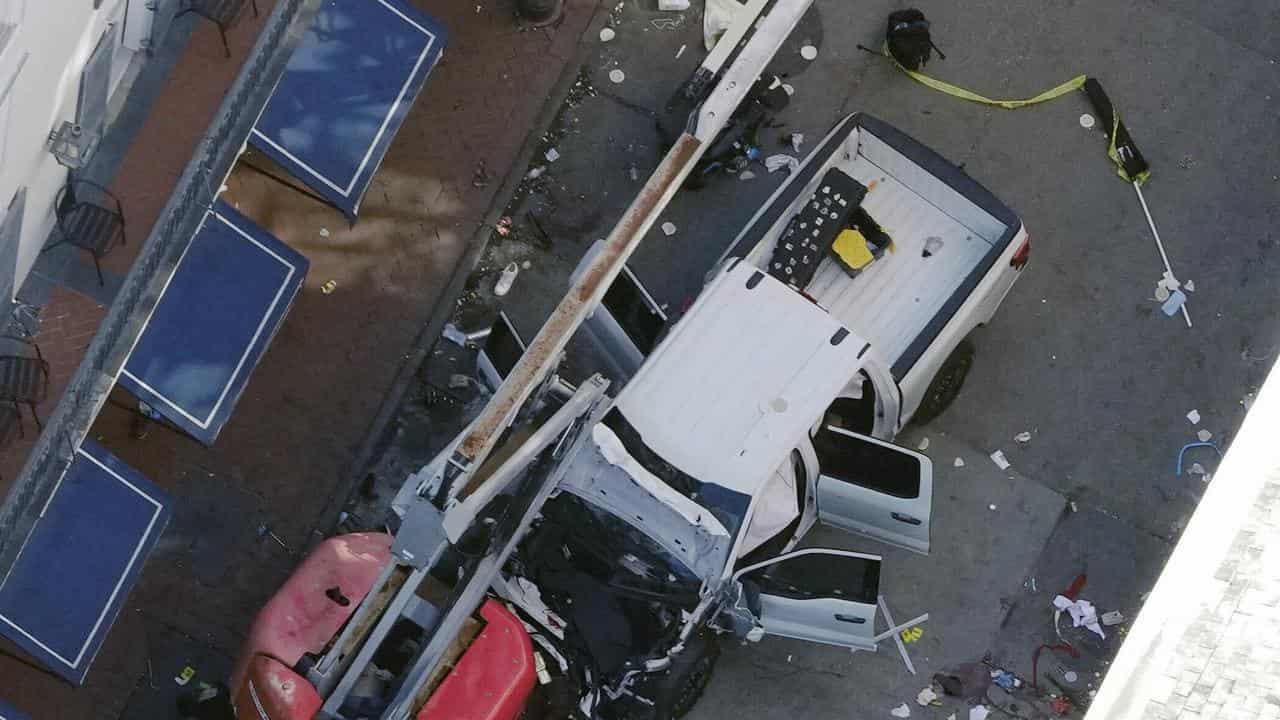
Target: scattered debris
{"points": [[324, 232], [1086, 121], [1005, 680], [1082, 613], [1182, 453], [668, 229], [923, 445], [1115, 617], [1030, 584], [667, 23], [633, 172], [607, 34], [992, 507], [329, 286], [1000, 460], [746, 175], [1189, 286], [775, 163], [1023, 437], [1196, 469], [480, 178], [458, 381], [796, 139], [536, 172], [185, 676], [1070, 676], [503, 227], [1060, 705], [1204, 435], [979, 712], [552, 154], [454, 335], [1194, 417], [506, 279], [1074, 508], [617, 76], [926, 696], [932, 244], [264, 531], [959, 462], [902, 711], [526, 264], [681, 51], [911, 634], [673, 5], [1174, 303], [808, 52]]}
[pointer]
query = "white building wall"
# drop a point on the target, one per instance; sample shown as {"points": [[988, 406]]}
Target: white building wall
{"points": [[48, 43]]}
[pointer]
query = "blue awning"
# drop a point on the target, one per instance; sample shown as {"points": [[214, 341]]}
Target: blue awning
{"points": [[213, 321], [9, 712], [80, 561], [345, 93]]}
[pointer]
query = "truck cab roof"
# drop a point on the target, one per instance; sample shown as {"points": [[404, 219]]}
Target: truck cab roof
{"points": [[740, 381]]}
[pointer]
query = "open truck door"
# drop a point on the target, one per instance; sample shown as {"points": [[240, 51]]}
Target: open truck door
{"points": [[873, 487], [815, 594]]}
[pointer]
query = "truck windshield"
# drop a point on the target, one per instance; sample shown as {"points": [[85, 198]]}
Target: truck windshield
{"points": [[728, 506]]}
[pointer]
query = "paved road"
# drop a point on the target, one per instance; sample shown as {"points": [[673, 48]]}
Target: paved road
{"points": [[1080, 355]]}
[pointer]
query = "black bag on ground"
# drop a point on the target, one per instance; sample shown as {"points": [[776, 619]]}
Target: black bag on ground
{"points": [[908, 38]]}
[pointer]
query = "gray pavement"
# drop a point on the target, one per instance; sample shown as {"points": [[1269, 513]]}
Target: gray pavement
{"points": [[1079, 355]]}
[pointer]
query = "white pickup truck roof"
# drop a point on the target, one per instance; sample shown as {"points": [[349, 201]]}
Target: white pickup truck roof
{"points": [[740, 380]]}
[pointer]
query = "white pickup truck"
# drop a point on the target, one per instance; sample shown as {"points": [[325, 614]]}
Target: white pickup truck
{"points": [[956, 252]]}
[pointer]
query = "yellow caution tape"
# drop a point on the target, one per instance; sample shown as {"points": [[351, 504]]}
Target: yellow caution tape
{"points": [[1074, 83], [1143, 176]]}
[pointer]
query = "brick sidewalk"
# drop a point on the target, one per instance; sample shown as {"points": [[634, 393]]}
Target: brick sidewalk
{"points": [[309, 405]]}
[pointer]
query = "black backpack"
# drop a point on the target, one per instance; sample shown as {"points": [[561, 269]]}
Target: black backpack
{"points": [[908, 39]]}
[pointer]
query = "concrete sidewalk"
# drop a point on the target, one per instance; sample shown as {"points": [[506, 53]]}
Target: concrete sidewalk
{"points": [[294, 440]]}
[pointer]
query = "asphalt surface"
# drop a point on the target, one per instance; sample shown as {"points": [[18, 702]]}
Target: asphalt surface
{"points": [[1080, 354]]}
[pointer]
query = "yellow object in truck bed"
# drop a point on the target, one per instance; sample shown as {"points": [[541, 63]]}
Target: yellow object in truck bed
{"points": [[850, 248]]}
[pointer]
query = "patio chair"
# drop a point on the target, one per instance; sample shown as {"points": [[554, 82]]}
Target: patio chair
{"points": [[220, 12], [90, 218], [24, 380]]}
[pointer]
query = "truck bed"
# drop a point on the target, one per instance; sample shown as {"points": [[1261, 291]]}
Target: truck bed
{"points": [[901, 301]]}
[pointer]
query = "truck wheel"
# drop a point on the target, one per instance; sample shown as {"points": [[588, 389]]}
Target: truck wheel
{"points": [[693, 677], [945, 386]]}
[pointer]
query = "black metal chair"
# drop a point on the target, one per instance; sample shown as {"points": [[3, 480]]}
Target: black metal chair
{"points": [[220, 12], [24, 380], [90, 218]]}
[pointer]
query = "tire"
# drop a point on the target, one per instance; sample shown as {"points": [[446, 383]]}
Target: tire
{"points": [[945, 386], [695, 684]]}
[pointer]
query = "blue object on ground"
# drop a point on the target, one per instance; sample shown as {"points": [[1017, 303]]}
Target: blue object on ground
{"points": [[213, 321], [80, 561], [345, 92], [1189, 446]]}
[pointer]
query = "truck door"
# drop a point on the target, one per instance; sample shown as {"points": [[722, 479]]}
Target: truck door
{"points": [[819, 595], [873, 487]]}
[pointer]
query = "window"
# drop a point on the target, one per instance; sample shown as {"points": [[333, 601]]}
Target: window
{"points": [[627, 301], [871, 465], [818, 575]]}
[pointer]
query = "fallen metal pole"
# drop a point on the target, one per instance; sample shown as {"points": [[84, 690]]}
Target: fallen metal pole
{"points": [[1160, 245]]}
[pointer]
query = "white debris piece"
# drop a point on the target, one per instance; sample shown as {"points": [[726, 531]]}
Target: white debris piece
{"points": [[809, 52], [923, 445], [1196, 469], [1023, 437], [959, 462], [926, 696], [1115, 617], [1204, 435], [617, 76], [1000, 460], [607, 34], [673, 5], [952, 716], [1189, 286], [1082, 613], [506, 279], [797, 139], [993, 507], [902, 711], [668, 229], [746, 175], [979, 712], [1194, 417], [324, 232], [536, 172], [1086, 121], [775, 163], [552, 154], [681, 51]]}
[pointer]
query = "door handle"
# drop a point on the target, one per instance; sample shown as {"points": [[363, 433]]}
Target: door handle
{"points": [[851, 619], [905, 518]]}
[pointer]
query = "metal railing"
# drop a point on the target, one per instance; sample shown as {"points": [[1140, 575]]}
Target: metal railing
{"points": [[87, 391]]}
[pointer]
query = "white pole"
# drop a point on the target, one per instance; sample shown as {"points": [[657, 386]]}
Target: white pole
{"points": [[1159, 245]]}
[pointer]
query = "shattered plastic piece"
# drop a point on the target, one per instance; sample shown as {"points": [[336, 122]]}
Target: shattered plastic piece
{"points": [[1204, 435], [746, 175], [607, 34], [668, 229], [952, 716], [1023, 437], [189, 672], [926, 696], [931, 245], [1174, 303], [329, 286], [617, 76], [796, 140], [1000, 460], [902, 711], [1194, 417], [1086, 121], [680, 51], [924, 444], [979, 712], [503, 227], [552, 155], [959, 462], [992, 507], [324, 232], [1004, 679], [809, 52], [1196, 469], [673, 5], [536, 172], [454, 335], [1170, 281], [1115, 617], [1162, 292], [1189, 286], [775, 163], [506, 279]]}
